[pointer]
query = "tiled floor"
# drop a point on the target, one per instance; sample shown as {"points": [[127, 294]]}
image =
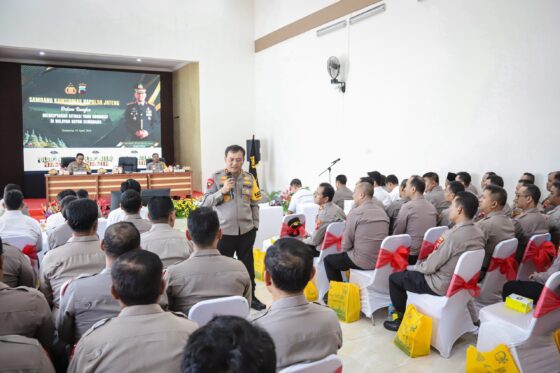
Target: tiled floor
{"points": [[368, 348]]}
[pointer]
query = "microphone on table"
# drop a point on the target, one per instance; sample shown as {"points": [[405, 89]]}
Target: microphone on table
{"points": [[229, 176]]}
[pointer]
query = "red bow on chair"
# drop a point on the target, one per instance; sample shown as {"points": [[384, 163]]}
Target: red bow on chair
{"points": [[507, 266], [31, 252], [426, 249], [296, 231], [458, 283], [331, 240], [397, 259], [548, 302], [540, 255]]}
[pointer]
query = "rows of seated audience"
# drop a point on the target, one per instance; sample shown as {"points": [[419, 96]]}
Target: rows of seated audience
{"points": [[119, 302]]}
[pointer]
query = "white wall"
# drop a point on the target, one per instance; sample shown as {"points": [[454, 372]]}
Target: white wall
{"points": [[435, 85], [218, 33]]}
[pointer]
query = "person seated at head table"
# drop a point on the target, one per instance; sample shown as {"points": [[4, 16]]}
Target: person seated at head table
{"points": [[155, 164], [78, 165]]}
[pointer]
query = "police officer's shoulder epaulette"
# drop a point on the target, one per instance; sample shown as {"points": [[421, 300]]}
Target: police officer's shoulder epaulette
{"points": [[67, 283], [259, 315], [26, 289], [320, 304], [179, 314], [97, 325], [19, 339]]}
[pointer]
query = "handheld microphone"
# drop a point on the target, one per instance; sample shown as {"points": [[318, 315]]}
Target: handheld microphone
{"points": [[229, 176]]}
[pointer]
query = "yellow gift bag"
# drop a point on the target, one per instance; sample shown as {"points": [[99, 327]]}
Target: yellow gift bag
{"points": [[310, 292], [499, 360], [344, 299], [557, 338], [258, 257], [415, 332]]}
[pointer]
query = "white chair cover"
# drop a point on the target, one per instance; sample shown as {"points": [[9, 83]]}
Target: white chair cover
{"points": [[348, 205], [270, 220], [330, 364], [204, 311], [527, 268], [310, 210], [433, 234], [20, 242], [529, 338], [450, 316], [374, 284], [322, 282]]}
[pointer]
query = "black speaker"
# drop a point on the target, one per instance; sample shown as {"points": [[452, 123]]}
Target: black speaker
{"points": [[257, 150]]}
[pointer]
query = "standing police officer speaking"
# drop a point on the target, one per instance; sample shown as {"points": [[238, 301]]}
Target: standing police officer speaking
{"points": [[235, 195]]}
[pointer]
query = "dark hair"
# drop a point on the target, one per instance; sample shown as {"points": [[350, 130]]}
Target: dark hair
{"points": [[203, 225], [137, 277], [465, 177], [1, 249], [530, 176], [130, 184], [11, 186], [556, 185], [557, 175], [383, 180], [13, 199], [82, 154], [341, 179], [64, 204], [82, 193], [234, 149], [403, 183], [81, 215], [451, 176], [229, 344], [456, 187], [66, 192], [295, 183], [496, 180], [375, 176], [120, 238], [366, 179], [469, 202], [131, 202], [524, 182], [160, 208], [328, 191], [418, 183], [432, 176], [534, 192], [497, 193], [393, 179], [289, 263], [489, 173]]}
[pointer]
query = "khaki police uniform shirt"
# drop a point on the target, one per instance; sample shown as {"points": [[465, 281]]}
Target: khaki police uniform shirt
{"points": [[86, 300], [436, 197], [142, 225], [17, 268], [25, 311], [439, 266], [341, 195], [367, 225], [169, 244], [141, 339], [328, 213], [553, 218], [393, 211], [240, 215], [206, 275], [75, 167], [496, 227], [80, 255], [542, 277], [23, 355], [59, 236], [415, 218], [529, 223], [156, 166], [301, 331]]}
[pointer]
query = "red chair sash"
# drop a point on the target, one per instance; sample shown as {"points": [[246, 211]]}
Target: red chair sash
{"points": [[507, 266], [426, 249], [397, 259], [540, 255], [296, 231], [331, 240], [458, 283], [31, 252], [548, 302]]}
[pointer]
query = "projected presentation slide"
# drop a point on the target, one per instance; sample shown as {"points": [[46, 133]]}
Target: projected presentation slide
{"points": [[103, 114]]}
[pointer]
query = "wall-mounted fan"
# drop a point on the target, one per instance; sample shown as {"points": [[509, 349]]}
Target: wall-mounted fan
{"points": [[333, 68]]}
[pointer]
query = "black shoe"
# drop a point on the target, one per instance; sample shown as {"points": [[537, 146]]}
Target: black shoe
{"points": [[257, 304], [392, 325]]}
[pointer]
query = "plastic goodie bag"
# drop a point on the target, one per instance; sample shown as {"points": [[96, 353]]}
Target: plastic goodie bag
{"points": [[344, 299], [310, 292], [499, 360], [258, 257], [415, 332]]}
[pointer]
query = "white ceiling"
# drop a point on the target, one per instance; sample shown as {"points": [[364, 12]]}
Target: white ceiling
{"points": [[29, 55]]}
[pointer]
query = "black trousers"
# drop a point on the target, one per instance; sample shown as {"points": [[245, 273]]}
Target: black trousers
{"points": [[529, 289], [412, 259], [243, 246], [401, 282], [335, 263]]}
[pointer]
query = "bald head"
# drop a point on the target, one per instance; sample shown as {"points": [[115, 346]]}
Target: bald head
{"points": [[365, 188]]}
